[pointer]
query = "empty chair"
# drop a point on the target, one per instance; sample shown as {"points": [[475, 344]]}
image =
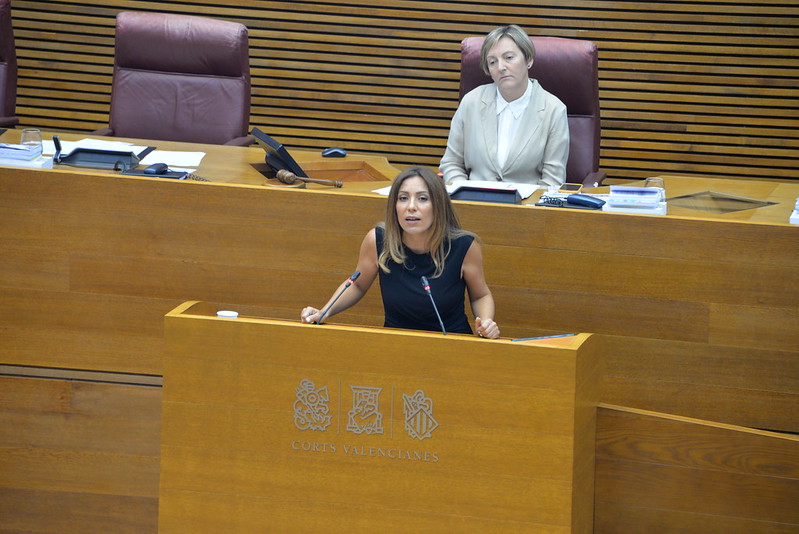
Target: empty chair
{"points": [[180, 78], [568, 69], [8, 68]]}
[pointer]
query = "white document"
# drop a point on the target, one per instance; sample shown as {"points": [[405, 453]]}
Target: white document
{"points": [[382, 191], [48, 147], [42, 162], [175, 159]]}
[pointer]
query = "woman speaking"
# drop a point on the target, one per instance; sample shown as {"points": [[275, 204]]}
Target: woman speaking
{"points": [[420, 247]]}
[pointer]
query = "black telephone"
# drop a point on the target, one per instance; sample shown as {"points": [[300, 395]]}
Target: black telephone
{"points": [[585, 200], [576, 201], [161, 170]]}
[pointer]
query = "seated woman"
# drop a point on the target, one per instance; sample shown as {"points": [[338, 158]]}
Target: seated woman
{"points": [[510, 130], [420, 238]]}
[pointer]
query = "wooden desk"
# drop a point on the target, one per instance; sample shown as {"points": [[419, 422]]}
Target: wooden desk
{"points": [[243, 165], [701, 309]]}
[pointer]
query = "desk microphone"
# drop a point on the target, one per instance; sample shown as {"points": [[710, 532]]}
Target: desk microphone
{"points": [[426, 286], [350, 280]]}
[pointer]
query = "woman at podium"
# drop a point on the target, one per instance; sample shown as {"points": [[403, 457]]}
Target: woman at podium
{"points": [[425, 260]]}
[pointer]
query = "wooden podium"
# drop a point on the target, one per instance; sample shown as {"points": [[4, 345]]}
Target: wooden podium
{"points": [[277, 426]]}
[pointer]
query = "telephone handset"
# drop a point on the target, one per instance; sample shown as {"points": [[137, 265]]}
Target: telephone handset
{"points": [[161, 170]]}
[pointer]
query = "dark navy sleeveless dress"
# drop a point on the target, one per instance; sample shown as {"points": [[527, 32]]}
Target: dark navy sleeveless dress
{"points": [[405, 302]]}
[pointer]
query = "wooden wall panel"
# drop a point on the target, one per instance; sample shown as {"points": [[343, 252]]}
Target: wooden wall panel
{"points": [[667, 291], [78, 455], [660, 473], [701, 88]]}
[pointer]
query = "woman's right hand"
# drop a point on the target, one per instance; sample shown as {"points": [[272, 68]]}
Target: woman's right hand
{"points": [[309, 315]]}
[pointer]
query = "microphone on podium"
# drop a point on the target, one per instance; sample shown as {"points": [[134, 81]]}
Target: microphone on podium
{"points": [[350, 280], [426, 286]]}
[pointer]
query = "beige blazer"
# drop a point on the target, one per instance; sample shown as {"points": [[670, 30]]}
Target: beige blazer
{"points": [[537, 155]]}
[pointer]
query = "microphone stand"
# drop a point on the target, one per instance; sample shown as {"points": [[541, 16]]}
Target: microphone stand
{"points": [[426, 286], [350, 280]]}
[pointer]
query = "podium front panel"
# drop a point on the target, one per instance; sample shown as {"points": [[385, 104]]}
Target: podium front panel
{"points": [[272, 426]]}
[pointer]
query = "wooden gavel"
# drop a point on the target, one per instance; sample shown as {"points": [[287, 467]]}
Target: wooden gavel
{"points": [[288, 177]]}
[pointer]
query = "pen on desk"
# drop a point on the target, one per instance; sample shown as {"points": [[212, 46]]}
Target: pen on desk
{"points": [[541, 337]]}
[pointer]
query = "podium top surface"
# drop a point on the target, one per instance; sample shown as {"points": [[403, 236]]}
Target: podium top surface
{"points": [[204, 310]]}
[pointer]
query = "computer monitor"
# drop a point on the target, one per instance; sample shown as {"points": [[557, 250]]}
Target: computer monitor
{"points": [[277, 157]]}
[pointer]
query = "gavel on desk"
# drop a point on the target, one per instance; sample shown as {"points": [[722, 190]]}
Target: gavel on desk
{"points": [[288, 177]]}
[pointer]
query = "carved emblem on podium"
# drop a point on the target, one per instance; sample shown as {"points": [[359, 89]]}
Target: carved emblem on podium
{"points": [[311, 409], [418, 412], [365, 415]]}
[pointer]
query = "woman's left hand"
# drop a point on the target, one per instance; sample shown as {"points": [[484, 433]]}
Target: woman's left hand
{"points": [[486, 328]]}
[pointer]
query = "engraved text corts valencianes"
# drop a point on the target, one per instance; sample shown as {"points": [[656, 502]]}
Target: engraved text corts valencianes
{"points": [[365, 417]]}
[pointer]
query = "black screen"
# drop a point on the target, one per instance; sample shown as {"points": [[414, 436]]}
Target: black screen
{"points": [[277, 157]]}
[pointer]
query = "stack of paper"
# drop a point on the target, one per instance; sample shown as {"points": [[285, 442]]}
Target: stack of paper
{"points": [[625, 199], [20, 152], [24, 156], [42, 162]]}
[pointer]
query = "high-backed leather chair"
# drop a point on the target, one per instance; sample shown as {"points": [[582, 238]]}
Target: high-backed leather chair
{"points": [[180, 78], [567, 68], [8, 68]]}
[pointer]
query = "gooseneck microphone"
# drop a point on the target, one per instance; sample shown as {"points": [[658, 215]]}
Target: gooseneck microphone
{"points": [[426, 286], [350, 280]]}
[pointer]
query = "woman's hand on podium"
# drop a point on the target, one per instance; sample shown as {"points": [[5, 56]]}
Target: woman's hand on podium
{"points": [[486, 328], [309, 315]]}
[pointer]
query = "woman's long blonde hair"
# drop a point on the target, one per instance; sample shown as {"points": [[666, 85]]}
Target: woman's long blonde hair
{"points": [[444, 229]]}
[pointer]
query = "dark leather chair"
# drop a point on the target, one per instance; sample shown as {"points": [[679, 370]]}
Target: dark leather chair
{"points": [[567, 68], [8, 68], [180, 78]]}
